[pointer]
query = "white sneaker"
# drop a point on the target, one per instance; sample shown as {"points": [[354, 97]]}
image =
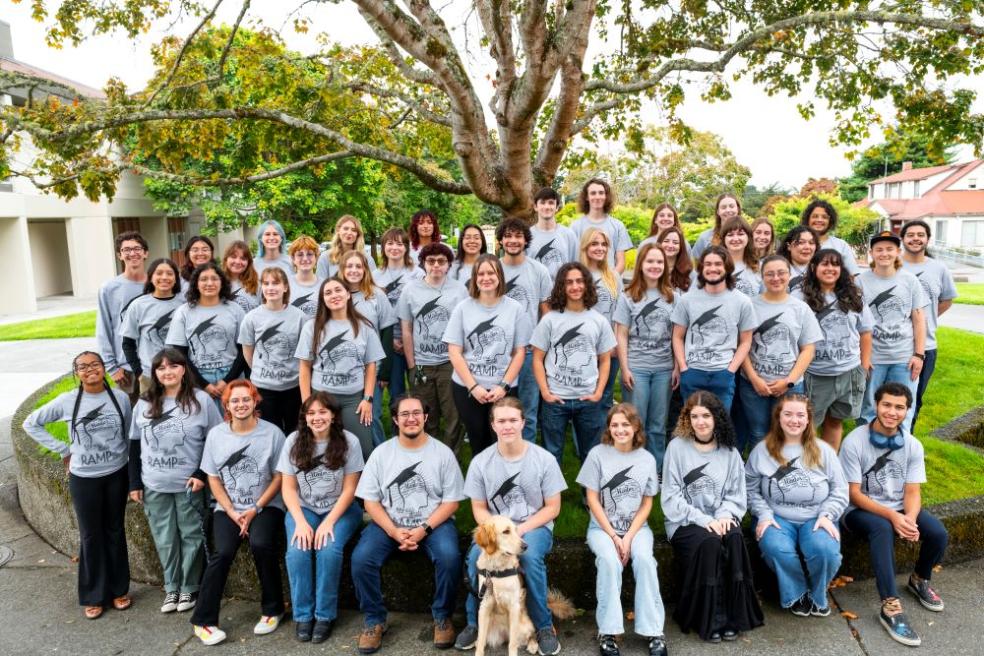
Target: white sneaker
{"points": [[170, 602], [186, 601], [210, 635], [267, 624]]}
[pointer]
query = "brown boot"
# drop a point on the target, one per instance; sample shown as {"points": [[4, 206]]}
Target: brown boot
{"points": [[443, 634], [371, 638]]}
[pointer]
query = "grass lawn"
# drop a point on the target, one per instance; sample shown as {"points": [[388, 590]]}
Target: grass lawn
{"points": [[82, 324], [954, 471], [970, 293]]}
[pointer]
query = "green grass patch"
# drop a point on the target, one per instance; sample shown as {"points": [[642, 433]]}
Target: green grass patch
{"points": [[970, 293], [82, 324]]}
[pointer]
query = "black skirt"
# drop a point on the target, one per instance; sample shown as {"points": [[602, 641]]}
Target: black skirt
{"points": [[717, 591]]}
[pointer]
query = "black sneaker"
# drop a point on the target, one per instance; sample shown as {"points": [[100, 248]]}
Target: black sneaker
{"points": [[322, 630], [546, 641], [187, 601], [303, 631], [729, 635], [897, 624], [657, 646], [170, 602], [607, 646], [714, 638], [816, 611], [466, 639], [801, 607], [925, 594]]}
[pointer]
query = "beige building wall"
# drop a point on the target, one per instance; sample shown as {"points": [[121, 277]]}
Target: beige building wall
{"points": [[49, 257], [15, 267]]}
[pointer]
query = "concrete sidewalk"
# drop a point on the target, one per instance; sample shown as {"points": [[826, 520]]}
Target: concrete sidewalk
{"points": [[29, 364]]}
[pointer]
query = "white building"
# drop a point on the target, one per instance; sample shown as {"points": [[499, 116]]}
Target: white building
{"points": [[49, 246]]}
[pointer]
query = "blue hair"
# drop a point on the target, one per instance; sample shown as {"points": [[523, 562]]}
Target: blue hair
{"points": [[261, 251]]}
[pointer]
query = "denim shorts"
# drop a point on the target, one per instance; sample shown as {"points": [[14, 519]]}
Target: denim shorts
{"points": [[839, 396]]}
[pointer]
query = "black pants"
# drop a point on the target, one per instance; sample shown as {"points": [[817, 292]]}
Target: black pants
{"points": [[717, 589], [100, 507], [281, 408], [265, 544], [476, 418]]}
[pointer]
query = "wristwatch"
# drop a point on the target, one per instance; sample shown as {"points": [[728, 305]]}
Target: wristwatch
{"points": [[368, 398], [505, 386], [921, 356], [258, 508], [428, 529]]}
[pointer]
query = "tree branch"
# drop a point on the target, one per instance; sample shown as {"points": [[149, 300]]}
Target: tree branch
{"points": [[412, 103], [181, 53]]}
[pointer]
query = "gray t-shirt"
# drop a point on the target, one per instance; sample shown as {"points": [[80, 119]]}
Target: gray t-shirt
{"points": [[937, 283], [147, 321], [699, 487], [650, 330], [274, 337], [393, 282], [114, 297], [840, 349], [283, 263], [319, 487], [338, 364], [747, 282], [846, 253], [98, 438], [572, 342], [713, 322], [702, 243], [209, 332], [553, 248], [516, 489], [171, 445], [243, 298], [411, 483], [792, 491], [612, 227], [461, 272], [376, 309], [428, 310], [797, 276], [892, 301], [882, 473], [487, 337], [622, 480], [528, 283], [244, 463], [606, 297], [784, 329], [305, 297]]}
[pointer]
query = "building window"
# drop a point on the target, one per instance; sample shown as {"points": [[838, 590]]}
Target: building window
{"points": [[972, 183], [915, 189], [940, 232], [972, 234]]}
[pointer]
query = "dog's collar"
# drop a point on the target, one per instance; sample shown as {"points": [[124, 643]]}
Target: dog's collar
{"points": [[500, 573]]}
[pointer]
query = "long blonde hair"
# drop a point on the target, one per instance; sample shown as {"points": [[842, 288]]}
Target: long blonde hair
{"points": [[775, 438], [608, 275], [337, 247]]}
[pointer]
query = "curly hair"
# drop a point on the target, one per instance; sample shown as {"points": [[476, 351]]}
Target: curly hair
{"points": [[415, 222], [582, 198], [724, 430], [193, 296], [558, 295], [729, 266], [513, 224], [302, 452], [248, 279], [152, 269], [776, 437], [846, 292], [432, 249], [632, 415], [683, 265], [827, 207], [793, 235]]}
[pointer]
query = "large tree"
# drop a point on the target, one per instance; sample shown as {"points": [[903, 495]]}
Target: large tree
{"points": [[512, 82]]}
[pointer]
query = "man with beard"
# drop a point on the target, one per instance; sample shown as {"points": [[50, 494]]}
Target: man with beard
{"points": [[523, 482], [411, 487], [884, 467], [707, 347], [529, 283], [937, 283], [115, 296]]}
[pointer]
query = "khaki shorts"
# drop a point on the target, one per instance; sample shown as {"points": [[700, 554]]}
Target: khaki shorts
{"points": [[839, 396]]}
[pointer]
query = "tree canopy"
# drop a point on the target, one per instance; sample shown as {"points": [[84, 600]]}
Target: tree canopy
{"points": [[501, 88]]}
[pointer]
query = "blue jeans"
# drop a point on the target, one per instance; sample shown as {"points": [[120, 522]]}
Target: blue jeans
{"points": [[648, 606], [929, 366], [529, 396], [314, 574], [398, 376], [213, 376], [756, 411], [538, 544], [651, 396], [719, 383], [375, 548], [780, 549], [378, 435], [586, 417], [888, 373], [608, 396]]}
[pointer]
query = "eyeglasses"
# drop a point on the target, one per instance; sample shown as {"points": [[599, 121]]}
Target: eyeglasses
{"points": [[91, 366], [773, 275], [436, 261], [304, 255], [406, 414], [130, 250], [200, 251]]}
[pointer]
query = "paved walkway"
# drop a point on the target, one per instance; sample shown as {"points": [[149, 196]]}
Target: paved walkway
{"points": [[53, 306], [29, 364]]}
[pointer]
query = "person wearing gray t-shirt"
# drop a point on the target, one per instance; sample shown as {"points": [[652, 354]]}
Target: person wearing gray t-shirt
{"points": [[712, 329], [115, 295], [572, 350], [884, 465], [411, 487], [615, 229], [939, 288], [822, 217], [148, 318]]}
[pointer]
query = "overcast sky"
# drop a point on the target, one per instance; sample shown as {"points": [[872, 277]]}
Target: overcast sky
{"points": [[766, 134]]}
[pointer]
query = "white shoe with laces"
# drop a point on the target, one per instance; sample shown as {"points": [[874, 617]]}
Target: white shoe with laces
{"points": [[267, 624]]}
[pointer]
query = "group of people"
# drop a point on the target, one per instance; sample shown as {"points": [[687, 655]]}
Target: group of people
{"points": [[259, 381]]}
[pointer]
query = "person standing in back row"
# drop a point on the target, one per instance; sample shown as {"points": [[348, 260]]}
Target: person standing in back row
{"points": [[595, 203], [553, 244], [115, 297]]}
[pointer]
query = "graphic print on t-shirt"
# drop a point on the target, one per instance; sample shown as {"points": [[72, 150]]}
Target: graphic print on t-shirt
{"points": [[243, 299], [156, 334], [773, 345], [320, 487], [707, 335], [836, 329], [241, 477], [165, 434], [407, 496], [95, 430], [509, 496], [428, 327], [890, 312], [886, 473], [393, 289], [696, 483], [571, 354], [620, 488], [339, 359], [787, 479], [208, 343], [606, 300], [487, 343], [274, 350], [518, 293], [549, 255], [653, 322], [305, 303]]}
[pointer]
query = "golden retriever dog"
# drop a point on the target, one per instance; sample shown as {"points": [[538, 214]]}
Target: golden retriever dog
{"points": [[502, 616]]}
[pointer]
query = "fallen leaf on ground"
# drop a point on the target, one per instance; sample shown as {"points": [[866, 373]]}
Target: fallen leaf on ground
{"points": [[630, 616], [74, 559], [848, 615], [938, 568]]}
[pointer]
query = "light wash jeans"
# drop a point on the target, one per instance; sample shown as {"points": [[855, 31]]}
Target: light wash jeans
{"points": [[651, 397], [648, 605], [529, 396], [314, 574], [538, 544], [888, 373], [821, 552], [213, 376]]}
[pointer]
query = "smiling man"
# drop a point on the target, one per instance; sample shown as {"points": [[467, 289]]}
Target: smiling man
{"points": [[115, 296]]}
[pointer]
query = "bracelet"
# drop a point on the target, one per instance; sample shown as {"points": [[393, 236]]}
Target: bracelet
{"points": [[472, 387], [921, 356]]}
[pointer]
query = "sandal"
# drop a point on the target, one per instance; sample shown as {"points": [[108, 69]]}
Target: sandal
{"points": [[93, 612], [122, 603]]}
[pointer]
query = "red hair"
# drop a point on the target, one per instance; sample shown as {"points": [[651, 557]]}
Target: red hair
{"points": [[253, 392]]}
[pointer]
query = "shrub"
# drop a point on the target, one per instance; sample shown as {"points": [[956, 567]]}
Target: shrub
{"points": [[854, 224]]}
